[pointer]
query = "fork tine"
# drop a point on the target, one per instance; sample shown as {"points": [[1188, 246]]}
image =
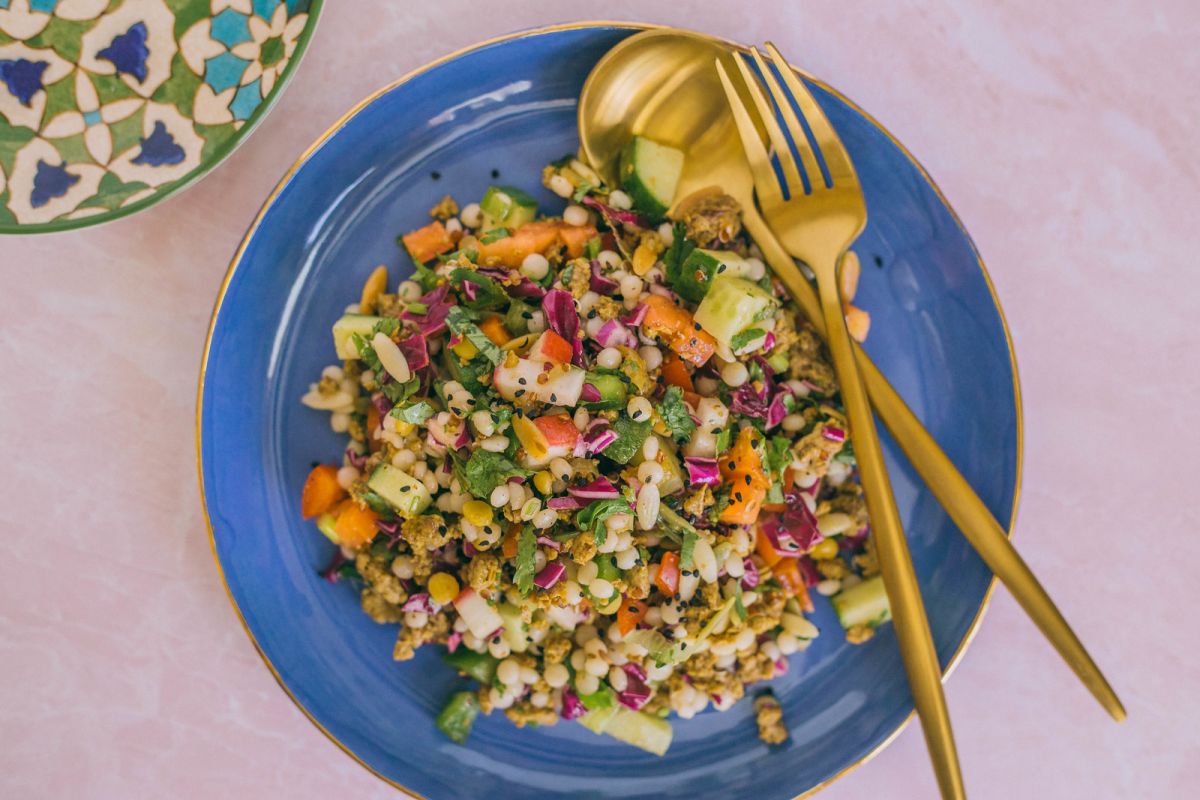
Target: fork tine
{"points": [[779, 142], [815, 179], [841, 169], [766, 182]]}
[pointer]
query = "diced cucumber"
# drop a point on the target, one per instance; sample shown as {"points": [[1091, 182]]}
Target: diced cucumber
{"points": [[611, 388], [731, 306], [480, 666], [649, 174], [694, 277], [864, 603], [347, 326], [458, 715], [506, 207], [639, 729], [514, 627], [402, 491]]}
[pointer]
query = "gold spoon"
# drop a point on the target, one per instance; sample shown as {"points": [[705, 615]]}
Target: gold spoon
{"points": [[662, 84]]}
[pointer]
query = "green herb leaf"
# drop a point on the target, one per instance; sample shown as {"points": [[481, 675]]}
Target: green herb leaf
{"points": [[724, 437], [485, 470], [400, 392], [594, 516], [681, 247], [582, 190], [630, 436], [593, 247], [687, 549], [488, 294], [416, 413], [387, 326], [745, 337], [682, 531], [778, 455], [480, 666], [738, 605], [459, 321], [526, 549], [600, 699], [846, 454], [495, 235], [367, 354], [676, 416], [418, 308]]}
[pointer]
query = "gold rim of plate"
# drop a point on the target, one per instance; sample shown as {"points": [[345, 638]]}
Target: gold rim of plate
{"points": [[972, 631]]}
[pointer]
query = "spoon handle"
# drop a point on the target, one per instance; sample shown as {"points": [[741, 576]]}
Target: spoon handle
{"points": [[948, 485]]}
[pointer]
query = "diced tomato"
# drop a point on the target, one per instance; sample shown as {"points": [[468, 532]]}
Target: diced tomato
{"points": [[667, 579], [557, 430], [321, 491], [552, 348], [630, 614], [425, 243]]}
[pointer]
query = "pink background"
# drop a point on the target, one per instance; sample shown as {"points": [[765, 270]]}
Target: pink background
{"points": [[1065, 136]]}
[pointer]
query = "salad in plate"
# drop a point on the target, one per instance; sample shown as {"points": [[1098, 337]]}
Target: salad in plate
{"points": [[598, 459]]}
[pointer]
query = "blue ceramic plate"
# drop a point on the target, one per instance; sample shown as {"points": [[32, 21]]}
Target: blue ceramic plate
{"points": [[508, 107]]}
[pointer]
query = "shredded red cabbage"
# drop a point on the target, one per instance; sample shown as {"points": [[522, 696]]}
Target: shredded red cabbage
{"points": [[331, 573], [381, 403], [550, 575], [777, 410], [598, 436], [356, 459], [453, 641], [833, 434], [809, 570], [613, 333], [433, 321], [750, 575], [421, 601], [702, 471], [565, 503], [615, 214], [572, 706], [600, 489], [636, 693], [599, 283], [546, 541], [590, 394], [563, 319], [749, 402], [636, 316]]}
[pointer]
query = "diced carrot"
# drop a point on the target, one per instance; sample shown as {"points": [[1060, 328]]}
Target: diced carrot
{"points": [[742, 459], [788, 573], [493, 328], [374, 420], [858, 322], [535, 237], [766, 550], [745, 502], [355, 525], [508, 547], [630, 614], [667, 579], [425, 243], [576, 237], [676, 327], [674, 373], [321, 491]]}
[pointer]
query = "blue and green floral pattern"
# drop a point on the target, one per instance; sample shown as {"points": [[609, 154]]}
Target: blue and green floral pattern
{"points": [[108, 105]]}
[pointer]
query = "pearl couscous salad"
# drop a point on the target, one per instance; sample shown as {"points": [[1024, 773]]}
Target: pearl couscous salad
{"points": [[597, 459]]}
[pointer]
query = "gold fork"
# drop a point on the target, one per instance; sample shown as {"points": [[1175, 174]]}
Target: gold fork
{"points": [[818, 228]]}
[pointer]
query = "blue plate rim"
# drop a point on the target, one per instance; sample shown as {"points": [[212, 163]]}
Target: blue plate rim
{"points": [[303, 158]]}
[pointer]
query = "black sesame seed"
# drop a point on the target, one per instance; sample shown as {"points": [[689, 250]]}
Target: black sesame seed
{"points": [[697, 326], [591, 313], [495, 173], [442, 529], [748, 481], [738, 495], [519, 393], [406, 488], [721, 269], [522, 381], [878, 262], [527, 314], [435, 175], [683, 645], [553, 397]]}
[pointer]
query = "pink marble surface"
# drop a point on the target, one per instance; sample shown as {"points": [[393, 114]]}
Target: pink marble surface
{"points": [[1063, 133]]}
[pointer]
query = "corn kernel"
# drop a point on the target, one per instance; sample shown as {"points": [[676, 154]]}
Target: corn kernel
{"points": [[643, 259], [465, 350], [477, 512], [544, 481], [443, 588], [404, 428], [824, 549]]}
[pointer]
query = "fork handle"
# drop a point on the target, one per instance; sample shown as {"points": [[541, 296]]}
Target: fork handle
{"points": [[948, 485], [895, 562]]}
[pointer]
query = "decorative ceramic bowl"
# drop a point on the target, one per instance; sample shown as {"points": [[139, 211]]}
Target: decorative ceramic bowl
{"points": [[501, 111], [106, 107]]}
